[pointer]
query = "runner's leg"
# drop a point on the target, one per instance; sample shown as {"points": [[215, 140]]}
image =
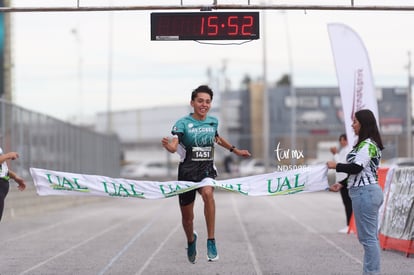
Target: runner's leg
{"points": [[187, 218], [207, 193]]}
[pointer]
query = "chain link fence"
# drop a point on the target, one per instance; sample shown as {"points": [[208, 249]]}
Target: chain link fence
{"points": [[48, 143]]}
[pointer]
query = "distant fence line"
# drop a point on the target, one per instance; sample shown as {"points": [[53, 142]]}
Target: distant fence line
{"points": [[46, 142]]}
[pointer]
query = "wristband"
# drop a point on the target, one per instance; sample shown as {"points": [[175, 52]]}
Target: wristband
{"points": [[232, 148]]}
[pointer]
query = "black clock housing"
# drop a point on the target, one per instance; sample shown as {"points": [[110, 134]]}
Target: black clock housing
{"points": [[205, 26]]}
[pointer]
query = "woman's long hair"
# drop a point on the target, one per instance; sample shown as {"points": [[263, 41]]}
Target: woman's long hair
{"points": [[369, 128]]}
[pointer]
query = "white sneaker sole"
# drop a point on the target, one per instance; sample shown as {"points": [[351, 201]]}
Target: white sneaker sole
{"points": [[213, 259]]}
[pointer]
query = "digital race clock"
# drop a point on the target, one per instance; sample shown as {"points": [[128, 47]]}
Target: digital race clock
{"points": [[205, 26]]}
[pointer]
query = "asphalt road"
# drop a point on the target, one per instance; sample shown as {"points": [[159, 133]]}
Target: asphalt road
{"points": [[293, 234]]}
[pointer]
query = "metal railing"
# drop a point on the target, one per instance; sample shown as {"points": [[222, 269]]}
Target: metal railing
{"points": [[49, 143]]}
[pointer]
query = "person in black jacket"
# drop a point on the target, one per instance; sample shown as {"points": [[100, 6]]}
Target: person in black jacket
{"points": [[5, 175], [340, 156]]}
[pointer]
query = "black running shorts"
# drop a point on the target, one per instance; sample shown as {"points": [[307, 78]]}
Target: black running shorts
{"points": [[187, 197]]}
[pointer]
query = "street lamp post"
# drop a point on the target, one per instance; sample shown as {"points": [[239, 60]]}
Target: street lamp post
{"points": [[409, 112], [223, 101], [266, 122], [291, 88], [109, 76], [76, 33]]}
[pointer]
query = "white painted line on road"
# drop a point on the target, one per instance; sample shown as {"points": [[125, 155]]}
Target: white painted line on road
{"points": [[246, 237], [125, 248], [32, 232], [72, 248], [144, 266], [340, 249], [49, 227], [314, 231]]}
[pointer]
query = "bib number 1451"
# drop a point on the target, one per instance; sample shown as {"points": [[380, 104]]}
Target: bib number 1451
{"points": [[202, 153]]}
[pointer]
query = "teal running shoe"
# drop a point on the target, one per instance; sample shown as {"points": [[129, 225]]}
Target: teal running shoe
{"points": [[212, 251], [192, 250]]}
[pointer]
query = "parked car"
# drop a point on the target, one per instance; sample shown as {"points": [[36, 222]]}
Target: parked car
{"points": [[251, 167], [148, 169]]}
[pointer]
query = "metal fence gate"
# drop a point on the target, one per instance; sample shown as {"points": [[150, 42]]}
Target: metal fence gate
{"points": [[49, 143]]}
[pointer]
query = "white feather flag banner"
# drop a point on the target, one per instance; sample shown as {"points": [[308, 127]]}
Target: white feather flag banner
{"points": [[353, 70], [308, 179]]}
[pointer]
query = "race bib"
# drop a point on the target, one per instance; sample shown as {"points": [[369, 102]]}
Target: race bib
{"points": [[202, 153]]}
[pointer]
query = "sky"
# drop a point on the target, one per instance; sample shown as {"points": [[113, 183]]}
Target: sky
{"points": [[69, 65]]}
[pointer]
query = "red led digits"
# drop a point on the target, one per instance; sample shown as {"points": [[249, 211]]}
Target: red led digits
{"points": [[212, 24], [202, 25], [233, 27], [211, 27], [205, 26], [247, 25]]}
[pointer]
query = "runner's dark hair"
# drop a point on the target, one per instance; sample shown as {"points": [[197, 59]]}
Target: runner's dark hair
{"points": [[202, 89]]}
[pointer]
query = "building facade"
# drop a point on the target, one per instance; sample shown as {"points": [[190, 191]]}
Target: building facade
{"points": [[314, 117], [308, 121]]}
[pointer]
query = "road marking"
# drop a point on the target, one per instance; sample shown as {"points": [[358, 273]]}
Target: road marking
{"points": [[88, 240], [312, 230], [72, 248], [125, 248], [246, 237], [49, 227], [144, 266]]}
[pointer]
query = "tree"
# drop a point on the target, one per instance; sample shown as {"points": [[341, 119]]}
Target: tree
{"points": [[246, 82], [284, 80]]}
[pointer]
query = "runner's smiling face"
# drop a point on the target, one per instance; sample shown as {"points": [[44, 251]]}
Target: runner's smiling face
{"points": [[201, 105]]}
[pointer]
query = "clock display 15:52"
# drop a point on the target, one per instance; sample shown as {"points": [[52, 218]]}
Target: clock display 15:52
{"points": [[231, 25], [205, 26]]}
